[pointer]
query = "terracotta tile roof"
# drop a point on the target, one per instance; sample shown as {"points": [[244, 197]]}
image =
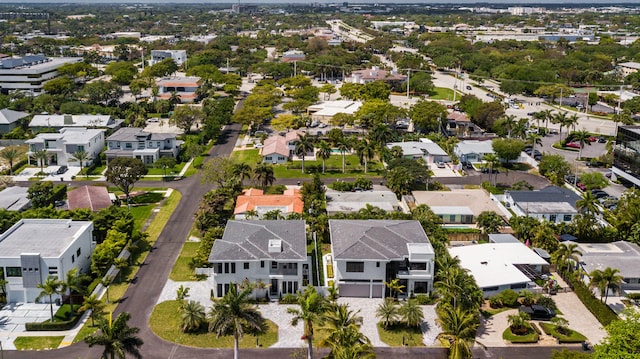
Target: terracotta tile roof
{"points": [[250, 199], [458, 117], [93, 197]]}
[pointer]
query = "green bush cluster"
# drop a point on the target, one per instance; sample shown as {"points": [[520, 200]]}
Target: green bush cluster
{"points": [[506, 298], [361, 183], [288, 299], [423, 299], [53, 326], [601, 311], [572, 337]]}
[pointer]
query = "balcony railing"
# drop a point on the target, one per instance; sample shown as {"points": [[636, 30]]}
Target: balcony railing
{"points": [[283, 271]]}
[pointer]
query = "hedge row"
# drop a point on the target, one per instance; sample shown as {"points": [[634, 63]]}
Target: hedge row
{"points": [[16, 166], [53, 326], [601, 311]]}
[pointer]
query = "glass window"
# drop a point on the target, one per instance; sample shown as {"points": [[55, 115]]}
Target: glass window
{"points": [[355, 267], [420, 287], [418, 266], [274, 265], [246, 265], [233, 267], [261, 264], [553, 217], [78, 252], [567, 218], [128, 145], [14, 272]]}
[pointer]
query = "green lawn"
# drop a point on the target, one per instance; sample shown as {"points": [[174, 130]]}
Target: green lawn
{"points": [[443, 93], [37, 343], [159, 171], [247, 156], [141, 214], [571, 337], [181, 270], [395, 334], [165, 322], [86, 329]]}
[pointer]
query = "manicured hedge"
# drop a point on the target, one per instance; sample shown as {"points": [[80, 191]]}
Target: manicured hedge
{"points": [[55, 326], [601, 311]]}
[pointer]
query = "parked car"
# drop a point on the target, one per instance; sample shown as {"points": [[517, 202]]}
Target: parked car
{"points": [[602, 140], [581, 186], [62, 170], [468, 87], [538, 312], [569, 178], [573, 145], [440, 164], [593, 139], [553, 131], [487, 170]]}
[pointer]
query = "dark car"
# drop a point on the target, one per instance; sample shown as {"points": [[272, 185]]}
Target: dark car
{"points": [[538, 312], [602, 139], [62, 170], [468, 87]]}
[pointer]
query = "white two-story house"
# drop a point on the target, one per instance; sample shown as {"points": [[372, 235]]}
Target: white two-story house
{"points": [[34, 249], [62, 146], [145, 146], [273, 253], [368, 253]]}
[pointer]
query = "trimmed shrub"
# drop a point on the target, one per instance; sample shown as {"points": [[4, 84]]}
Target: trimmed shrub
{"points": [[423, 299], [495, 302], [601, 311], [509, 298], [288, 299], [546, 302]]}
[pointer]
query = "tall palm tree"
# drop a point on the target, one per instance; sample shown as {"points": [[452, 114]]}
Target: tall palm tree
{"points": [[192, 316], [302, 147], [588, 203], [493, 161], [75, 283], [509, 122], [52, 286], [41, 157], [323, 152], [343, 146], [411, 313], [547, 115], [95, 305], [365, 151], [242, 171], [519, 128], [118, 338], [343, 331], [263, 173], [233, 314], [566, 253], [388, 312], [80, 156], [582, 137], [605, 280], [312, 306], [560, 118], [534, 139], [572, 121], [10, 154], [459, 329]]}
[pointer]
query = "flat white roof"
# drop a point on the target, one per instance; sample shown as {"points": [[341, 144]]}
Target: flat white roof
{"points": [[411, 148], [48, 237], [492, 264], [547, 207], [474, 146]]}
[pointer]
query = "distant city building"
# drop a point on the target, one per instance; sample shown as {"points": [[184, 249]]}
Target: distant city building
{"points": [[244, 9], [30, 73], [179, 56], [520, 10]]}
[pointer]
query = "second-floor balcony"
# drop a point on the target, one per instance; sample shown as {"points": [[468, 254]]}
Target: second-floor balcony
{"points": [[284, 269]]}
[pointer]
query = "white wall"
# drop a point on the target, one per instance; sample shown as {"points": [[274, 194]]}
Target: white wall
{"points": [[371, 271]]}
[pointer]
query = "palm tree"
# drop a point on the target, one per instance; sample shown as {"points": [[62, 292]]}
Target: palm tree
{"points": [[343, 332], [459, 329], [80, 156], [572, 121], [233, 314], [394, 287], [242, 171], [323, 152], [343, 146], [534, 139], [388, 312], [560, 118], [303, 146], [565, 253], [74, 283], [192, 316], [583, 138], [519, 128], [41, 156], [95, 305], [118, 338], [52, 286], [120, 264], [493, 161], [608, 279], [10, 154], [380, 135], [263, 173], [365, 152], [509, 122], [588, 203], [518, 323], [411, 313], [312, 306], [547, 115]]}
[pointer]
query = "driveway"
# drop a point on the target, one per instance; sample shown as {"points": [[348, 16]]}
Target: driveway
{"points": [[13, 318]]}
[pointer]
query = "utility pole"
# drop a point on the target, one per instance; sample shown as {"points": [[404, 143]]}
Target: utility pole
{"points": [[408, 80], [561, 98], [295, 67], [455, 85]]}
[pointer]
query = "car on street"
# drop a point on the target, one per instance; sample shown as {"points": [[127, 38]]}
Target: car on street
{"points": [[593, 139], [573, 145], [602, 140], [468, 87], [538, 312]]}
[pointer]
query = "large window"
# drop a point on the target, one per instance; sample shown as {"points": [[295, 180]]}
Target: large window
{"points": [[418, 266], [420, 287], [14, 272], [355, 267]]}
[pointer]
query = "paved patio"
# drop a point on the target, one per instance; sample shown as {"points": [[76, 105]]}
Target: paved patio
{"points": [[13, 318]]}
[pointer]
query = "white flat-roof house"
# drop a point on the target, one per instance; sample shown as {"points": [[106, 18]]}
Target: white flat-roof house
{"points": [[366, 253], [179, 56], [500, 266], [61, 146], [621, 255], [271, 252], [29, 73], [325, 110], [473, 150], [59, 121], [552, 203], [145, 146], [425, 149], [33, 249]]}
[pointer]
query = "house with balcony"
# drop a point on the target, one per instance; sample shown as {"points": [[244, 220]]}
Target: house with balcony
{"points": [[34, 249], [145, 146], [368, 253], [62, 146], [273, 253], [184, 87]]}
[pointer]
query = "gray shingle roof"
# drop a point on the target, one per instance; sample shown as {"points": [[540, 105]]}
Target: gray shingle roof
{"points": [[10, 116], [547, 194], [374, 239], [249, 241], [132, 133]]}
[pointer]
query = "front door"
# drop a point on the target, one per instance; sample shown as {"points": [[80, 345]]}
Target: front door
{"points": [[273, 291]]}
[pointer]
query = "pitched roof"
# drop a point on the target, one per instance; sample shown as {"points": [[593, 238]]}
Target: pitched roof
{"points": [[93, 197], [548, 194], [620, 255], [249, 241], [474, 146], [252, 199], [275, 144], [10, 116], [14, 198], [375, 239]]}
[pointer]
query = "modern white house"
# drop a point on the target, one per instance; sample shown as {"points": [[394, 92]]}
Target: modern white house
{"points": [[552, 203], [145, 146], [273, 253], [473, 150], [184, 87], [500, 266], [325, 110], [57, 122], [179, 56], [29, 73], [425, 149], [367, 253], [33, 249], [62, 146]]}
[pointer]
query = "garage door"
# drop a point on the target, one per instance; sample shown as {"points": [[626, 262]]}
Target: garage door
{"points": [[354, 290], [378, 290]]}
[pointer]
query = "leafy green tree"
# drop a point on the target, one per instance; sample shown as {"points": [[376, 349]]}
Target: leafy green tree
{"points": [[376, 112], [555, 168], [487, 113], [121, 72], [490, 222], [365, 152], [508, 149], [41, 194], [52, 286], [420, 82], [343, 146], [165, 163], [234, 314], [124, 172], [427, 116], [312, 307], [388, 312], [102, 92], [192, 316], [283, 122], [588, 204], [622, 340], [376, 90], [184, 117], [75, 283], [411, 313], [62, 86], [117, 338], [593, 180]]}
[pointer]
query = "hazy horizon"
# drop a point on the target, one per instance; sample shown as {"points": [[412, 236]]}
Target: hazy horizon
{"points": [[436, 2]]}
